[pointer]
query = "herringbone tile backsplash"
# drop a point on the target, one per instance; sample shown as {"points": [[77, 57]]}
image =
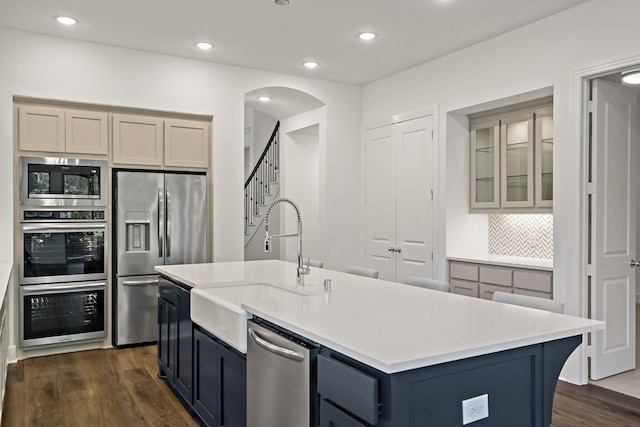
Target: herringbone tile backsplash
{"points": [[524, 235]]}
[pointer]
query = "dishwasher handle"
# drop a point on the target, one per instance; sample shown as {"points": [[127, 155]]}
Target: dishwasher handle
{"points": [[280, 351]]}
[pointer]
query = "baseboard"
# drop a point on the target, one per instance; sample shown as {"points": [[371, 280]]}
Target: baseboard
{"points": [[12, 354]]}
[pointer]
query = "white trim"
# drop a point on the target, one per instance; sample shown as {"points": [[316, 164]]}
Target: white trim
{"points": [[433, 110], [580, 109]]}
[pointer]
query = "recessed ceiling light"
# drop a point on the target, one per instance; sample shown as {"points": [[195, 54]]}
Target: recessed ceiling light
{"points": [[282, 2], [204, 45], [367, 35], [631, 77], [264, 98], [311, 64], [66, 20]]}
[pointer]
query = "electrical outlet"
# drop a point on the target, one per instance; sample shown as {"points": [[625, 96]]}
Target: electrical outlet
{"points": [[533, 241], [474, 409]]}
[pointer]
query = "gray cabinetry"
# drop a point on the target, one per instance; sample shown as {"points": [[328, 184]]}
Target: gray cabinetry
{"points": [[520, 384], [511, 166], [208, 375], [482, 280]]}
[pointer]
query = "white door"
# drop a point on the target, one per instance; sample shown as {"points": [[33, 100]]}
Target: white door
{"points": [[414, 217], [613, 227], [380, 200], [398, 200]]}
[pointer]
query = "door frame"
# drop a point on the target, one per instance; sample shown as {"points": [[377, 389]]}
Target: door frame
{"points": [[580, 118]]}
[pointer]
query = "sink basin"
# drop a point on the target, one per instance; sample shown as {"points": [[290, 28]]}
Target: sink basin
{"points": [[218, 310]]}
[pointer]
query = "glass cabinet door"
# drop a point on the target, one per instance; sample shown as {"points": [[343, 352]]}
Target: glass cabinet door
{"points": [[544, 158], [517, 161], [485, 163]]}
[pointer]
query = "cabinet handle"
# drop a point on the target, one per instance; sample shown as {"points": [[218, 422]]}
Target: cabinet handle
{"points": [[634, 263], [391, 249], [398, 250]]}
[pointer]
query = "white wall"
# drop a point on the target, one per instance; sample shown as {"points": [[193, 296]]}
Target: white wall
{"points": [[301, 180], [541, 55], [47, 67]]}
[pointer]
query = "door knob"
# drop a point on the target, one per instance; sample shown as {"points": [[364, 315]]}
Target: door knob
{"points": [[634, 263]]}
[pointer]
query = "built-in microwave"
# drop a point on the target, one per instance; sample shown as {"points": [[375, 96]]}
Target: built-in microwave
{"points": [[52, 181]]}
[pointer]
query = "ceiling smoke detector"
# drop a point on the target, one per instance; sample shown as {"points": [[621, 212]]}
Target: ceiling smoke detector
{"points": [[282, 2]]}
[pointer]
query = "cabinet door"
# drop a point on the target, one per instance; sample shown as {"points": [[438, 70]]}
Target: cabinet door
{"points": [[517, 162], [485, 162], [86, 132], [137, 140], [233, 388], [184, 345], [41, 128], [186, 143], [461, 287], [380, 200], [206, 394], [167, 323], [544, 158]]}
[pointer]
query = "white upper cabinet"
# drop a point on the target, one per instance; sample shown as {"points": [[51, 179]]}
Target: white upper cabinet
{"points": [[137, 140], [511, 166], [61, 130], [155, 141]]}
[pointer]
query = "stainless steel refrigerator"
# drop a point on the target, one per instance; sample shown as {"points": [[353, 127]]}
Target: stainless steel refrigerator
{"points": [[160, 219]]}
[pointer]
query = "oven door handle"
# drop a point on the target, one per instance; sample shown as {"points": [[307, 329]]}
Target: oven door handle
{"points": [[34, 289], [63, 227]]}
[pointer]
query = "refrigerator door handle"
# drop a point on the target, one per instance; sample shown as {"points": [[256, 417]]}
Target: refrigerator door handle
{"points": [[160, 222], [168, 237]]}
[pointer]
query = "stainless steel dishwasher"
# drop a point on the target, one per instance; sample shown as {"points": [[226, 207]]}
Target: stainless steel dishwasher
{"points": [[281, 385]]}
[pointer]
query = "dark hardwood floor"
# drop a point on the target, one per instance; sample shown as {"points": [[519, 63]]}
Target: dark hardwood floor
{"points": [[120, 388]]}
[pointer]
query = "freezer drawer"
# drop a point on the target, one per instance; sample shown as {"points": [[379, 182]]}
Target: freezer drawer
{"points": [[137, 310]]}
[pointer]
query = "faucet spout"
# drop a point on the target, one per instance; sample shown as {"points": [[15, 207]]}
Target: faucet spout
{"points": [[301, 270]]}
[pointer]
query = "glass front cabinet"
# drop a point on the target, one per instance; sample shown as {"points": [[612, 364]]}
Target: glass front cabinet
{"points": [[512, 161]]}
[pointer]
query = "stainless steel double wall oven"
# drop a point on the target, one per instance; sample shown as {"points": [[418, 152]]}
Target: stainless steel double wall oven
{"points": [[63, 259]]}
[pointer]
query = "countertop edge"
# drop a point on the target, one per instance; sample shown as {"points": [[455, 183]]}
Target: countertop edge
{"points": [[533, 265]]}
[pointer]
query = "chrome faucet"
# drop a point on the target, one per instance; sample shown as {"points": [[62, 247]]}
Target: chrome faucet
{"points": [[301, 270]]}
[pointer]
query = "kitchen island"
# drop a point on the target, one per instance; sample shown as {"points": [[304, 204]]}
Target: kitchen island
{"points": [[427, 350]]}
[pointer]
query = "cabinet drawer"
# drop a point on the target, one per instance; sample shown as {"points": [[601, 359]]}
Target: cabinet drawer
{"points": [[463, 271], [534, 281], [461, 287], [496, 276], [330, 416], [348, 388], [547, 295], [486, 291]]}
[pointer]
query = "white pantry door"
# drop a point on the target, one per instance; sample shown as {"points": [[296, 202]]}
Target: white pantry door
{"points": [[398, 199], [380, 200], [613, 227], [414, 198]]}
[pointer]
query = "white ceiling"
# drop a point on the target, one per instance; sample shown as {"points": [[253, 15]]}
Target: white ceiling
{"points": [[262, 35]]}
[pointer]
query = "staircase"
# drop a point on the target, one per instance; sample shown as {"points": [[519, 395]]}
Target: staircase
{"points": [[262, 186]]}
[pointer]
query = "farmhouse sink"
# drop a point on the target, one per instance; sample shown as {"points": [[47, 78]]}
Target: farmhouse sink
{"points": [[218, 309]]}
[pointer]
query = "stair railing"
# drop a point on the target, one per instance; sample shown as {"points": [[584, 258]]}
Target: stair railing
{"points": [[257, 185]]}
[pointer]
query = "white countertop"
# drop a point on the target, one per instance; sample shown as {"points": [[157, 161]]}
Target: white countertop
{"points": [[507, 261], [390, 326]]}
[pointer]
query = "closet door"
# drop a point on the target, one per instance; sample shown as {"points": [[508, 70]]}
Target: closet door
{"points": [[414, 204], [380, 200], [398, 199]]}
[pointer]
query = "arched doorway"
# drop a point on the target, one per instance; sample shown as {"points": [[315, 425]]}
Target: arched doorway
{"points": [[301, 141]]}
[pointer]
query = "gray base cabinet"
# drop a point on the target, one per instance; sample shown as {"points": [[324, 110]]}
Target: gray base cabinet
{"points": [[520, 384], [220, 388], [207, 375], [175, 338], [482, 280]]}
